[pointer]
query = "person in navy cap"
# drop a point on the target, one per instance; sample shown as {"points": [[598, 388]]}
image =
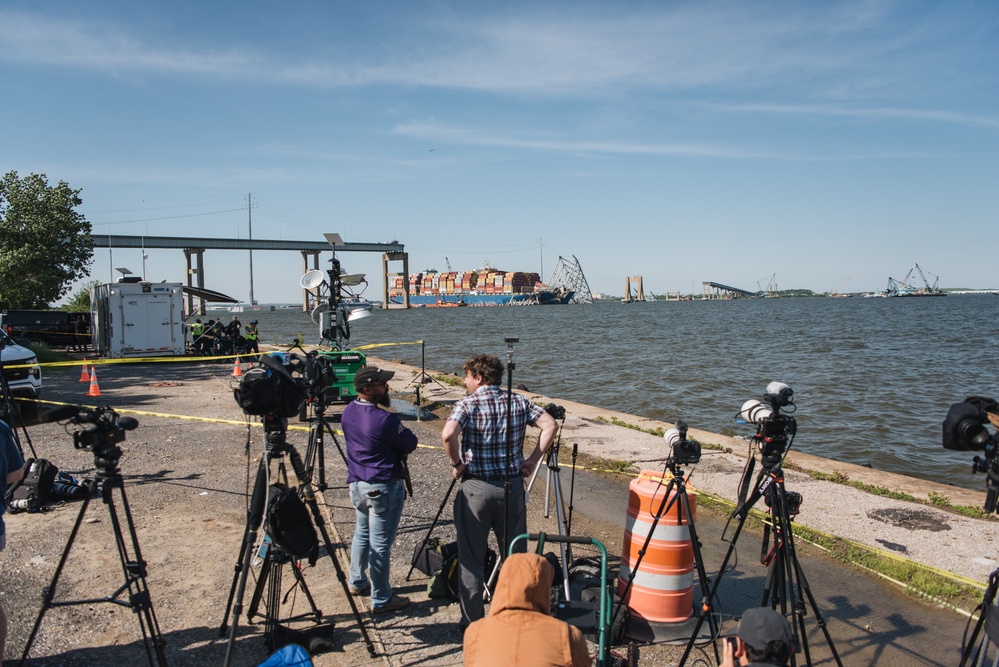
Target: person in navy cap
{"points": [[763, 638], [377, 445]]}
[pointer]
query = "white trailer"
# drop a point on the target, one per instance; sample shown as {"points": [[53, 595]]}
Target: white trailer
{"points": [[137, 319]]}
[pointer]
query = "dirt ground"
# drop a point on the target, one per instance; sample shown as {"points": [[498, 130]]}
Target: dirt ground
{"points": [[188, 469]]}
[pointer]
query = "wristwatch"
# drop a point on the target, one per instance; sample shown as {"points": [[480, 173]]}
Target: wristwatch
{"points": [[458, 464]]}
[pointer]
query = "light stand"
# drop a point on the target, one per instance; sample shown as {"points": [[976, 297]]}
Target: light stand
{"points": [[509, 449]]}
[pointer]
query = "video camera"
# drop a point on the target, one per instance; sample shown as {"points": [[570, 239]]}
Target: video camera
{"points": [[276, 387], [682, 450], [964, 430], [774, 430], [105, 428]]}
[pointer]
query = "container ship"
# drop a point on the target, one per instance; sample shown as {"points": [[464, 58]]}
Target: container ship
{"points": [[484, 287]]}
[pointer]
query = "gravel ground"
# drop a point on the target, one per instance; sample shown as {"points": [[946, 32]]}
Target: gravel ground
{"points": [[186, 479]]}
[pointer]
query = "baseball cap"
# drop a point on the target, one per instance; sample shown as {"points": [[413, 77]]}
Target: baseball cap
{"points": [[371, 375], [762, 625]]}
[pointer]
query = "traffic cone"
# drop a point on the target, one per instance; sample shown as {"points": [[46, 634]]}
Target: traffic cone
{"points": [[237, 372], [84, 377], [95, 390]]}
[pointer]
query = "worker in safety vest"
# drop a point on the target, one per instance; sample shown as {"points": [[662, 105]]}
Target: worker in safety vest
{"points": [[251, 337], [197, 330]]}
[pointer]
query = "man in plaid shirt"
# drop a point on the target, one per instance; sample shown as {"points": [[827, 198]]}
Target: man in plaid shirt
{"points": [[480, 461]]}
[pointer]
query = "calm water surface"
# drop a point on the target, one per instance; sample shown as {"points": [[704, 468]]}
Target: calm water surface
{"points": [[872, 378]]}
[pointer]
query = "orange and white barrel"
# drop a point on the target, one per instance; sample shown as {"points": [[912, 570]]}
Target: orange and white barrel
{"points": [[663, 588]]}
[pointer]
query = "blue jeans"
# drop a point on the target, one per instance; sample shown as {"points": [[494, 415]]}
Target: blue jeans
{"points": [[379, 507]]}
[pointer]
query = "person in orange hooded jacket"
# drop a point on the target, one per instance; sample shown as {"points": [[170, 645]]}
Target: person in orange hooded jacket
{"points": [[518, 629]]}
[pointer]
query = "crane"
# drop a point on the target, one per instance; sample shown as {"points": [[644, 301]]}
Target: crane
{"points": [[448, 262], [929, 289], [835, 292]]}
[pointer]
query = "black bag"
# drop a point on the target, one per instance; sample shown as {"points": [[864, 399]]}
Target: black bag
{"points": [[289, 523], [584, 582], [34, 489], [444, 581], [427, 557]]}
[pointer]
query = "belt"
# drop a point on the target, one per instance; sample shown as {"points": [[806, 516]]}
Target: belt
{"points": [[487, 478]]}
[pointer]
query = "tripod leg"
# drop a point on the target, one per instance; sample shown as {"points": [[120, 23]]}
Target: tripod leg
{"points": [[433, 524], [135, 573], [742, 512], [253, 520], [50, 590], [262, 577], [310, 501], [336, 442], [695, 543]]}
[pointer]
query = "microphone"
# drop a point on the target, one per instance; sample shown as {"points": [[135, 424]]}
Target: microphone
{"points": [[60, 413]]}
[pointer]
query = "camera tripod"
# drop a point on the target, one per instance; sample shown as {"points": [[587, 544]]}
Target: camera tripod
{"points": [[975, 652], [315, 451], [553, 480], [269, 578], [275, 431], [678, 484], [133, 566], [786, 585]]}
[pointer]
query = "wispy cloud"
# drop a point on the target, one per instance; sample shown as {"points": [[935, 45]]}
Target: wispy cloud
{"points": [[429, 131], [873, 113], [583, 51]]}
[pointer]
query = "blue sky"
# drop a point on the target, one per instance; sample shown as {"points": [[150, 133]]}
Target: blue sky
{"points": [[680, 141]]}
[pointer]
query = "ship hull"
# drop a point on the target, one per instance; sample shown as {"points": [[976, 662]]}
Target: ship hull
{"points": [[455, 300]]}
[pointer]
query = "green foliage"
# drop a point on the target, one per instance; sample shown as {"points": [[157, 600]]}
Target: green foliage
{"points": [[80, 303], [45, 244]]}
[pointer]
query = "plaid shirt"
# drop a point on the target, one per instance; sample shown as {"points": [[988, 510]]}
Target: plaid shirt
{"points": [[482, 417]]}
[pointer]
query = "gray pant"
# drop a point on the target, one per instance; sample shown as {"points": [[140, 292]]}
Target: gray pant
{"points": [[478, 508]]}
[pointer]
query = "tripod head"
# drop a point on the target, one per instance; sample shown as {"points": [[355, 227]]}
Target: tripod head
{"points": [[104, 429], [774, 431]]}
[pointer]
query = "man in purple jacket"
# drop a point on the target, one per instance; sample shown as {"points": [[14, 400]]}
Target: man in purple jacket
{"points": [[377, 445]]}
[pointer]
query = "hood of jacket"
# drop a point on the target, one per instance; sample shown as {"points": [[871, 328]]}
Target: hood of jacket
{"points": [[525, 583]]}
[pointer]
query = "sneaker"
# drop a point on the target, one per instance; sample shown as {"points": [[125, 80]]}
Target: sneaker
{"points": [[395, 603], [363, 590]]}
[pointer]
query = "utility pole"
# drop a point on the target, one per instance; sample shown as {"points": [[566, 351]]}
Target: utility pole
{"points": [[249, 217]]}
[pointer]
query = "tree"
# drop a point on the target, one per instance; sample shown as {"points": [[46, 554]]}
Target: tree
{"points": [[80, 303], [45, 244]]}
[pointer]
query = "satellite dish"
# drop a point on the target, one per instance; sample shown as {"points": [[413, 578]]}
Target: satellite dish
{"points": [[312, 279], [358, 314], [351, 279]]}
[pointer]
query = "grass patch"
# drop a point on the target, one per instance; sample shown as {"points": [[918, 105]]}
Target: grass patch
{"points": [[938, 499], [46, 354], [451, 380], [973, 512], [658, 432]]}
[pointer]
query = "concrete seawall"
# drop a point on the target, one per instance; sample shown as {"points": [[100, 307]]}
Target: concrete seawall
{"points": [[952, 543]]}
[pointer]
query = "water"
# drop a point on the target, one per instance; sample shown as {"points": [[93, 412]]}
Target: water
{"points": [[872, 378]]}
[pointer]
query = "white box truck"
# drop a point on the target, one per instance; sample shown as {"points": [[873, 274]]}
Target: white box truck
{"points": [[137, 319]]}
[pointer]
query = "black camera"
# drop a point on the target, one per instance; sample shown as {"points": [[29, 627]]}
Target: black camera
{"points": [[684, 451], [964, 430], [794, 500], [964, 427], [104, 428], [556, 411], [271, 389]]}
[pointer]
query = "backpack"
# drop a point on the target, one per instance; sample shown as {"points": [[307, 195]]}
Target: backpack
{"points": [[33, 490], [289, 523], [443, 581]]}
